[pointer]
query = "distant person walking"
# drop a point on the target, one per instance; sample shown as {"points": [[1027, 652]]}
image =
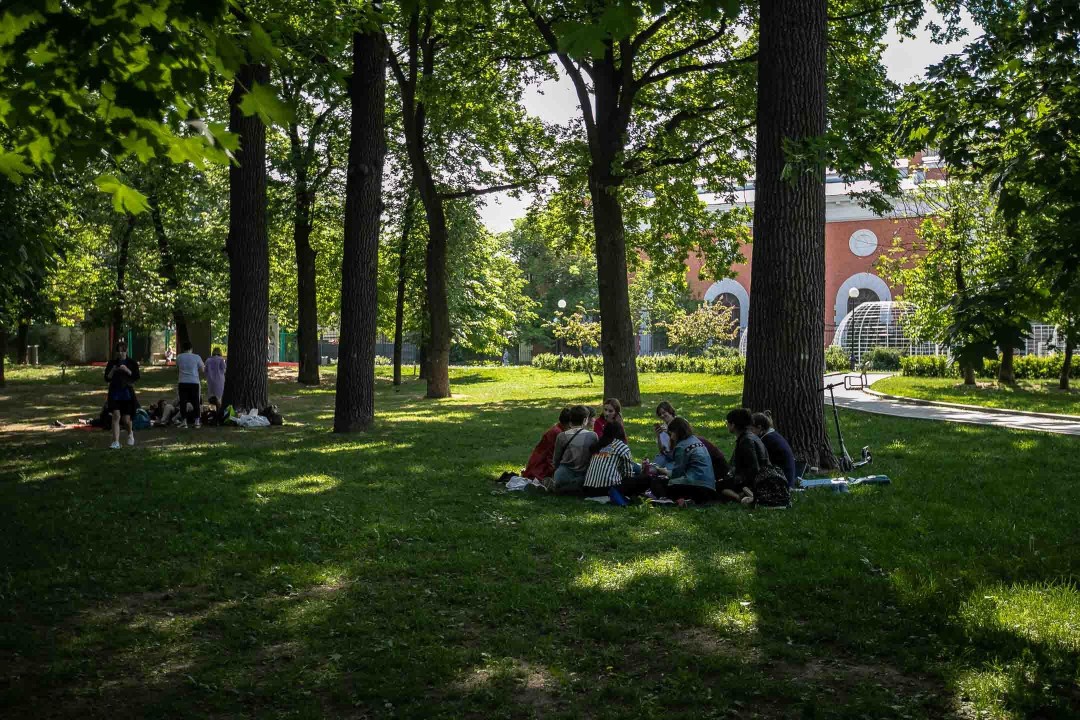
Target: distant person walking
{"points": [[122, 372], [215, 374], [189, 366]]}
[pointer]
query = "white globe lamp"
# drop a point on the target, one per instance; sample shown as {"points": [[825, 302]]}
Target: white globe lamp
{"points": [[562, 304]]}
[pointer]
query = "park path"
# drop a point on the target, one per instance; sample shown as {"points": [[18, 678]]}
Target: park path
{"points": [[867, 402]]}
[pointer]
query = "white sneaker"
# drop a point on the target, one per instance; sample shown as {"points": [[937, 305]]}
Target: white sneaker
{"points": [[131, 438], [198, 423], [115, 445], [183, 424]]}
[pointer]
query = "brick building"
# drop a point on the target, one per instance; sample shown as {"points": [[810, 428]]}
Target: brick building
{"points": [[855, 238]]}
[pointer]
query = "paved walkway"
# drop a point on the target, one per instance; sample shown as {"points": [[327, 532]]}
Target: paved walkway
{"points": [[858, 400]]}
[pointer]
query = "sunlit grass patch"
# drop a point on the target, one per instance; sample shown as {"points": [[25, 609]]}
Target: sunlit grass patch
{"points": [[1048, 615], [671, 565]]}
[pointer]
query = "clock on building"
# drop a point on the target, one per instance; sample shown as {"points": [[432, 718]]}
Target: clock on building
{"points": [[863, 242]]}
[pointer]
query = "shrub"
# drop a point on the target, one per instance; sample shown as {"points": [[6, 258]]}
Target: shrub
{"points": [[884, 358], [836, 359], [721, 351], [647, 364], [382, 360], [927, 366]]}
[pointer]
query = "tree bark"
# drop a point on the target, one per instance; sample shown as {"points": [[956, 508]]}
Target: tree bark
{"points": [[1066, 365], [249, 253], [785, 348], [399, 307], [168, 270], [3, 354], [354, 406], [969, 374], [1006, 374], [22, 335], [307, 309], [123, 245]]}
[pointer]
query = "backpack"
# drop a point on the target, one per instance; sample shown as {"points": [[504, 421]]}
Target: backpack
{"points": [[141, 421], [272, 414], [771, 488]]}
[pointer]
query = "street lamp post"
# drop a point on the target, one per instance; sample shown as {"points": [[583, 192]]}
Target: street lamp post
{"points": [[558, 345], [853, 294]]}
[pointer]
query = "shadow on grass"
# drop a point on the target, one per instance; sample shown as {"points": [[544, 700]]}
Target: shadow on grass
{"points": [[307, 574]]}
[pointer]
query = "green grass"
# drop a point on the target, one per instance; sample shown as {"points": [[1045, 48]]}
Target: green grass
{"points": [[1030, 395], [289, 572]]}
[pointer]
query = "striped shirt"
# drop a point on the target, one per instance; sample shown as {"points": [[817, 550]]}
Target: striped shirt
{"points": [[610, 465]]}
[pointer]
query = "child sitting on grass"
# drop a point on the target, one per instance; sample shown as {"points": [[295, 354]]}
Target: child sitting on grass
{"points": [[541, 465]]}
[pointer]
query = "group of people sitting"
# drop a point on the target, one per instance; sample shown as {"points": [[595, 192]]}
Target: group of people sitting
{"points": [[589, 456]]}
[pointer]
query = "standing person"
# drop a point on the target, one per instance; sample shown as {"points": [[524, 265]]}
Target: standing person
{"points": [[747, 460], [612, 413], [541, 465], [573, 450], [122, 372], [215, 374], [691, 476], [779, 449], [189, 365]]}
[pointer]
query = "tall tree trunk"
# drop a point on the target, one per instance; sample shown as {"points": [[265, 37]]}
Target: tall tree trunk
{"points": [[437, 347], [22, 336], [123, 243], [1066, 365], [168, 270], [785, 349], [617, 336], [968, 371], [307, 309], [1006, 374], [249, 253], [354, 406], [399, 307], [3, 354]]}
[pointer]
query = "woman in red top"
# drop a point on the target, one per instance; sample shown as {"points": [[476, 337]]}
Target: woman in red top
{"points": [[612, 412], [541, 463]]}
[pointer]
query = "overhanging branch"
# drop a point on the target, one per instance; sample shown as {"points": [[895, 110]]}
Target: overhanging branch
{"points": [[697, 67], [475, 192]]}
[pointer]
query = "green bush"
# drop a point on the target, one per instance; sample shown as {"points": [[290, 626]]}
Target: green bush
{"points": [[836, 359], [883, 358], [721, 351], [927, 366], [382, 360], [733, 365]]}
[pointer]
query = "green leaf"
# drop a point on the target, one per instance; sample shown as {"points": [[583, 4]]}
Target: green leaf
{"points": [[126, 199], [260, 44], [138, 145], [262, 100], [13, 166], [41, 150]]}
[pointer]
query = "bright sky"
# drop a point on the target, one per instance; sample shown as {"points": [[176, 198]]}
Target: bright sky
{"points": [[555, 102]]}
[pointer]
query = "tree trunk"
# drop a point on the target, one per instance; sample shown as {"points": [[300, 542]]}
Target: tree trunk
{"points": [[421, 361], [249, 253], [354, 406], [969, 374], [1066, 365], [168, 271], [3, 354], [617, 337], [785, 350], [399, 308], [307, 309], [22, 336], [1006, 374], [123, 244]]}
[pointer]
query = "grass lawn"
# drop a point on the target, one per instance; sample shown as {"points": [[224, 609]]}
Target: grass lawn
{"points": [[289, 572], [1030, 395]]}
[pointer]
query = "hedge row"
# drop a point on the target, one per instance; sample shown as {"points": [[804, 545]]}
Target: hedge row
{"points": [[1026, 367], [733, 365]]}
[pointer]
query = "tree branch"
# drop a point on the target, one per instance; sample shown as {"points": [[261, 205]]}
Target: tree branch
{"points": [[645, 35], [668, 128], [700, 67], [474, 192], [699, 150], [874, 10], [684, 51]]}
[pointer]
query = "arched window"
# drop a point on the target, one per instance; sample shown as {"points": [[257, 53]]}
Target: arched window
{"points": [[865, 295]]}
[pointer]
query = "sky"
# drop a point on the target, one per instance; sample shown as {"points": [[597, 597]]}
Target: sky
{"points": [[555, 102]]}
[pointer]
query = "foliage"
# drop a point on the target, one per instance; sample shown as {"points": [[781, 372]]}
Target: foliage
{"points": [[884, 358], [1030, 395], [837, 359], [1026, 367], [927, 366], [710, 323], [727, 365], [577, 330]]}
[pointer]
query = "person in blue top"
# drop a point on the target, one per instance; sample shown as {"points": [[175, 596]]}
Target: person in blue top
{"points": [[780, 453], [691, 476], [122, 372]]}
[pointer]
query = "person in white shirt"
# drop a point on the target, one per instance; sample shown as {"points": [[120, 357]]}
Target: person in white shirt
{"points": [[189, 366]]}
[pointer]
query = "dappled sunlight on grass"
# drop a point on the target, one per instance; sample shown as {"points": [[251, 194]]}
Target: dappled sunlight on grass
{"points": [[671, 565], [307, 484], [1045, 614]]}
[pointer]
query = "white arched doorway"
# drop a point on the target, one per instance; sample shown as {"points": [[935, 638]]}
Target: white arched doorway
{"points": [[733, 288], [860, 281]]}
